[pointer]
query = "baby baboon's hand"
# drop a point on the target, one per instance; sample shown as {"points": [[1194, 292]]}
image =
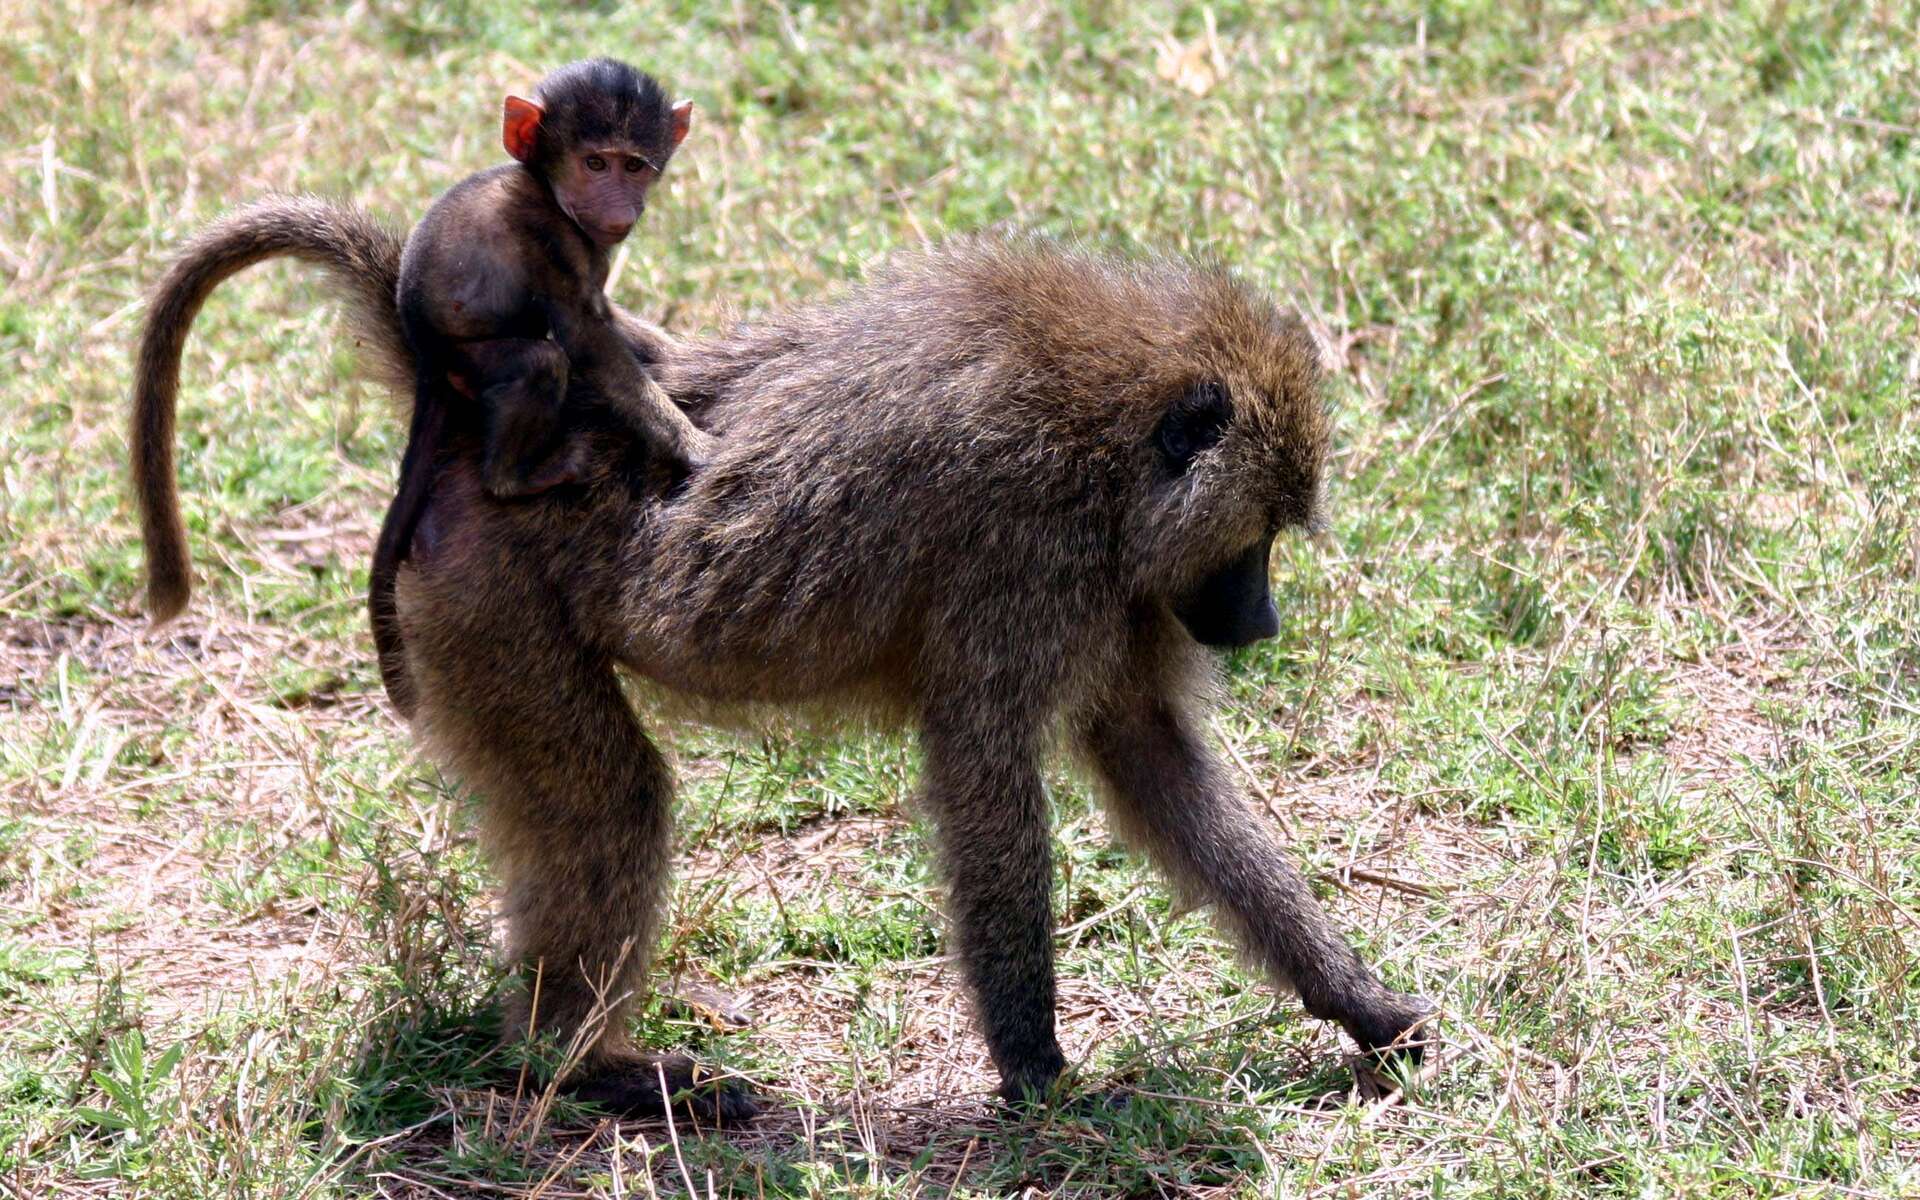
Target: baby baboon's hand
{"points": [[696, 449]]}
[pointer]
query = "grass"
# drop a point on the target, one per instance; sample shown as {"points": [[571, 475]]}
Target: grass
{"points": [[1598, 718]]}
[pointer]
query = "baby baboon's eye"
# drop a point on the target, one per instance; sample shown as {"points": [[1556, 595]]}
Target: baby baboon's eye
{"points": [[1198, 420], [596, 164]]}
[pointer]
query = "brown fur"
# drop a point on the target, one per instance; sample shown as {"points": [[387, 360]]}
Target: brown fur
{"points": [[945, 499]]}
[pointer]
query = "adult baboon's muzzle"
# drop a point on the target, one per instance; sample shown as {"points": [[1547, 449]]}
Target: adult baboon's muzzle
{"points": [[1233, 606]]}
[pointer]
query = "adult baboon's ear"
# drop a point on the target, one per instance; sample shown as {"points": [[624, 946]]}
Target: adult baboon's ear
{"points": [[1197, 420]]}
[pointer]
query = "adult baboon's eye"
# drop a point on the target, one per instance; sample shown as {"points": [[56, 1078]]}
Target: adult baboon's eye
{"points": [[1198, 420], [596, 164]]}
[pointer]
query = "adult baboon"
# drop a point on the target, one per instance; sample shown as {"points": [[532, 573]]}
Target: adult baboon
{"points": [[1005, 493]]}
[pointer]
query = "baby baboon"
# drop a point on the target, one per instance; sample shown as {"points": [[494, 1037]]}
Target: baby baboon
{"points": [[506, 258], [514, 254], [1006, 491]]}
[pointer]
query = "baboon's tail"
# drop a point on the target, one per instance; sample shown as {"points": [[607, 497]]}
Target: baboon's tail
{"points": [[361, 256]]}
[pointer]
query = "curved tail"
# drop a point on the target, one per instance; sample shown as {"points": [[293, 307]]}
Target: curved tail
{"points": [[361, 256]]}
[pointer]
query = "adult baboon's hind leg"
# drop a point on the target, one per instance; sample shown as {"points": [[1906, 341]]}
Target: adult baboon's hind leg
{"points": [[576, 812], [1168, 793]]}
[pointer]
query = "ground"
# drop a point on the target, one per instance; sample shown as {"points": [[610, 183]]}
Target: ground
{"points": [[1596, 716]]}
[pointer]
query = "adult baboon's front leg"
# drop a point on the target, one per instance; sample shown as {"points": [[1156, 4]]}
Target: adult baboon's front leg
{"points": [[983, 789], [1169, 794], [577, 808]]}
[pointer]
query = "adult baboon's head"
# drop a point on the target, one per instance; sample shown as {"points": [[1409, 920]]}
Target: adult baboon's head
{"points": [[1233, 452]]}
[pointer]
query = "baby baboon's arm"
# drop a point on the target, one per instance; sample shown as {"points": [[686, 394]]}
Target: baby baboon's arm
{"points": [[597, 346]]}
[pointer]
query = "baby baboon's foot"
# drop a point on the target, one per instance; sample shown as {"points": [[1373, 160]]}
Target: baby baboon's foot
{"points": [[508, 480], [566, 465], [631, 1086]]}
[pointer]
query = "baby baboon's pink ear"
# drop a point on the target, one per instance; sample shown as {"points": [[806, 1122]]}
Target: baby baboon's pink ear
{"points": [[521, 128], [682, 120]]}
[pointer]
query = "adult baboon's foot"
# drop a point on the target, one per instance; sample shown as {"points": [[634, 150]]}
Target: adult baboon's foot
{"points": [[630, 1084], [692, 1000], [1035, 1081], [1397, 1025]]}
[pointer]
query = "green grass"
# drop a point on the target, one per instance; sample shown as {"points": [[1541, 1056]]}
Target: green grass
{"points": [[1598, 715]]}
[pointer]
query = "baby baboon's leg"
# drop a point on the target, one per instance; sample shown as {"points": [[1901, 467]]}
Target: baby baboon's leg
{"points": [[576, 809], [983, 790], [521, 384], [1168, 793]]}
